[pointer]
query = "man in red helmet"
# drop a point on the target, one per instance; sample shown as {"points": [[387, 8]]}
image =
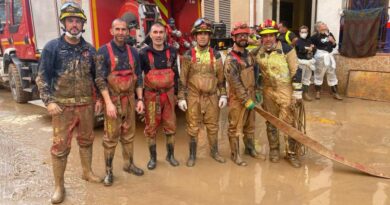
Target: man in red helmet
{"points": [[241, 74], [281, 88], [201, 78]]}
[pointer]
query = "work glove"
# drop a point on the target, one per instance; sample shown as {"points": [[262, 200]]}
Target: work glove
{"points": [[182, 105], [259, 97], [249, 104], [222, 101], [297, 94]]}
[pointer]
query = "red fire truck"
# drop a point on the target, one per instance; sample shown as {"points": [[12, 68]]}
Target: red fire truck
{"points": [[27, 25]]}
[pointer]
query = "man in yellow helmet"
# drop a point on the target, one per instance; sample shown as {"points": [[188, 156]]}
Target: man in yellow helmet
{"points": [[65, 82], [201, 78], [281, 87], [241, 74]]}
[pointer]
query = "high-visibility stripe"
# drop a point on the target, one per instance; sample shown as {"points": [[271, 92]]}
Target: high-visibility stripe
{"points": [[19, 43], [95, 24], [162, 8]]}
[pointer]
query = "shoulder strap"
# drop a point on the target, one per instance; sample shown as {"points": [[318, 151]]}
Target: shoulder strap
{"points": [[130, 56], [193, 55], [112, 56], [235, 56], [151, 59], [287, 37]]}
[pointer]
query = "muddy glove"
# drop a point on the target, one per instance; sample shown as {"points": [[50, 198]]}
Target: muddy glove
{"points": [[222, 101], [297, 93], [259, 97], [182, 105], [249, 104]]}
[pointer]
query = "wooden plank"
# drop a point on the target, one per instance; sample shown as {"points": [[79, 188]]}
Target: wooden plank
{"points": [[370, 85]]}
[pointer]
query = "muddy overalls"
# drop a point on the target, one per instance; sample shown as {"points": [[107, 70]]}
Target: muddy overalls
{"points": [[277, 70], [121, 85], [200, 79], [160, 107], [240, 76]]}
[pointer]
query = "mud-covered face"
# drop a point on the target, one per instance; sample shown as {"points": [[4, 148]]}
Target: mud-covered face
{"points": [[73, 25], [241, 39], [203, 39], [120, 31], [157, 34], [268, 40]]}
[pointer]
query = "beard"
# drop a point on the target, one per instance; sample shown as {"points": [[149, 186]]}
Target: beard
{"points": [[242, 43]]}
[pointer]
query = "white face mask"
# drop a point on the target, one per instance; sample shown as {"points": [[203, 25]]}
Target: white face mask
{"points": [[77, 36], [303, 35]]}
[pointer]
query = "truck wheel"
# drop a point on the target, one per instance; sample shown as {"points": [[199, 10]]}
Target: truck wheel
{"points": [[15, 84]]}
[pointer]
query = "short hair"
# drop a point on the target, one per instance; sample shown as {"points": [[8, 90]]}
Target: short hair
{"points": [[303, 27], [284, 23], [158, 24], [120, 20], [317, 25]]}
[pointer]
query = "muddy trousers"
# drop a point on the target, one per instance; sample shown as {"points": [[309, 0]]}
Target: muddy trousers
{"points": [[120, 129], [203, 109], [77, 119]]}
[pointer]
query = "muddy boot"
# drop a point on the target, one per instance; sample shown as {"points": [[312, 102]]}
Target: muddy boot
{"points": [[86, 161], [171, 151], [59, 165], [235, 152], [306, 95], [153, 154], [318, 91], [108, 158], [273, 139], [129, 166], [293, 160], [213, 142], [335, 93], [192, 157], [250, 149], [291, 157]]}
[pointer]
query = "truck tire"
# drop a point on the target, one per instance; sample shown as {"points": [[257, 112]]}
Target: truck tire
{"points": [[15, 84]]}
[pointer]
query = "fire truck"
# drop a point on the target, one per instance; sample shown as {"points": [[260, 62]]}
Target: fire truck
{"points": [[27, 25]]}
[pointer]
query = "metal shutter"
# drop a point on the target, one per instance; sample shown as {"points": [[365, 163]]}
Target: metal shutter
{"points": [[224, 14], [209, 9]]}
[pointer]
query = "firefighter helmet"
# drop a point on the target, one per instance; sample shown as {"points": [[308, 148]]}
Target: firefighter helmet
{"points": [[240, 27], [71, 9], [268, 27], [201, 25]]}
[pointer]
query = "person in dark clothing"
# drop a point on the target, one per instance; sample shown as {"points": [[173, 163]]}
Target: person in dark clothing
{"points": [[305, 52], [285, 35], [158, 63], [325, 42], [118, 76]]}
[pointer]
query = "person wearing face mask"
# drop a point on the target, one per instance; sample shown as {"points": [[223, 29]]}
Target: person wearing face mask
{"points": [[65, 81], [325, 42], [242, 74], [158, 63], [201, 79], [282, 88], [305, 52]]}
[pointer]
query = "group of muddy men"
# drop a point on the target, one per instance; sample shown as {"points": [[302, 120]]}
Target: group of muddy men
{"points": [[75, 82]]}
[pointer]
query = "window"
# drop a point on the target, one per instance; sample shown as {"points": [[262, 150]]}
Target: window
{"points": [[17, 12]]}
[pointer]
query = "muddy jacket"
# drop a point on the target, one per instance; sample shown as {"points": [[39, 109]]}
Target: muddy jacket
{"points": [[66, 72], [201, 73], [160, 61], [233, 72], [103, 64]]}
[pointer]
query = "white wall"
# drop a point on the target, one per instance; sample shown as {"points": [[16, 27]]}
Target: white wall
{"points": [[328, 11]]}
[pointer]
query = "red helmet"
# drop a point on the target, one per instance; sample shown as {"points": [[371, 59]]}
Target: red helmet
{"points": [[268, 27], [240, 27]]}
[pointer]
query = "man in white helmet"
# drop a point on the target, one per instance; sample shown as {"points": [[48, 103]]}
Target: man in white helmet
{"points": [[65, 82]]}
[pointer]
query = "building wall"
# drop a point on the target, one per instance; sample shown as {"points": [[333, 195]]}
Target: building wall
{"points": [[329, 12]]}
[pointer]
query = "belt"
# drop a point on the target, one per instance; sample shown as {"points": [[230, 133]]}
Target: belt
{"points": [[73, 100], [159, 91]]}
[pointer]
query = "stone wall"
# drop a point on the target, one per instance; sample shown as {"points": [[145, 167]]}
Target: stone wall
{"points": [[380, 62]]}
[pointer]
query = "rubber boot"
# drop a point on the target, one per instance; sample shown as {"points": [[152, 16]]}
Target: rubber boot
{"points": [[192, 157], [129, 166], [59, 165], [273, 139], [213, 142], [335, 93], [153, 154], [235, 152], [108, 158], [291, 156], [171, 151], [306, 95], [250, 149], [318, 91], [86, 161]]}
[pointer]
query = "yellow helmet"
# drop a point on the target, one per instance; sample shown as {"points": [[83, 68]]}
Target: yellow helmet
{"points": [[269, 26], [201, 25], [71, 9]]}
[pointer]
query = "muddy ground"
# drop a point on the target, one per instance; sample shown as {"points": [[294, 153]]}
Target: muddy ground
{"points": [[356, 129]]}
